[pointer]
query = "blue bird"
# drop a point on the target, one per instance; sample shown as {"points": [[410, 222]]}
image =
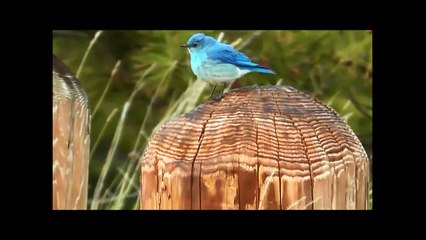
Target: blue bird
{"points": [[218, 63]]}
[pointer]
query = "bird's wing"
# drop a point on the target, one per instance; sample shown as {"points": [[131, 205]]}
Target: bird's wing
{"points": [[227, 54]]}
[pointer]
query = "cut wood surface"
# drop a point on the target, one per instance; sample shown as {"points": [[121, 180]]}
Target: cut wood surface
{"points": [[71, 140], [270, 147]]}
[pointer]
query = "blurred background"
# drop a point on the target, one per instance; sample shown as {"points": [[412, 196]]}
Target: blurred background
{"points": [[137, 80]]}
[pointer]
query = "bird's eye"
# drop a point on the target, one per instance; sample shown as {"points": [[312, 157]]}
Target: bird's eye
{"points": [[195, 45]]}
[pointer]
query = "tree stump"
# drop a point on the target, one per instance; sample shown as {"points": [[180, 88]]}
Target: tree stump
{"points": [[269, 147], [71, 140]]}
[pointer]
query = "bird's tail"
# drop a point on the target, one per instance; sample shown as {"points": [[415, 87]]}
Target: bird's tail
{"points": [[262, 69], [254, 67]]}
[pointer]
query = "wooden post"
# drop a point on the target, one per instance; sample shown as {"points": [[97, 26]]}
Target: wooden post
{"points": [[267, 147], [71, 140]]}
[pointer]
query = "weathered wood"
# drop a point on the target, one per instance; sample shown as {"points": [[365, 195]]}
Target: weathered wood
{"points": [[265, 147], [71, 140]]}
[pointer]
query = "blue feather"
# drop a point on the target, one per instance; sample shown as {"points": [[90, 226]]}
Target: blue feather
{"points": [[227, 54], [260, 69]]}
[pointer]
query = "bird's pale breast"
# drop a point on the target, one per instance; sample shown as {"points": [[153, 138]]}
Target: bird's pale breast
{"points": [[214, 71]]}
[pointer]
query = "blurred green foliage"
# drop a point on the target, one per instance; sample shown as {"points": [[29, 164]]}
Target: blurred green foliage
{"points": [[333, 66]]}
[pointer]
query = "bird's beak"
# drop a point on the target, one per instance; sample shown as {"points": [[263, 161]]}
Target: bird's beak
{"points": [[184, 45]]}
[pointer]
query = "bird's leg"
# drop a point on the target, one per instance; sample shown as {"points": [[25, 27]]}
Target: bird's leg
{"points": [[223, 89], [211, 94]]}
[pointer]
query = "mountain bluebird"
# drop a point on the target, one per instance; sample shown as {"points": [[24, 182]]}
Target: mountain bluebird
{"points": [[217, 62]]}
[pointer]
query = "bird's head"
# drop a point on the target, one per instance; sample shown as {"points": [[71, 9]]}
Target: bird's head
{"points": [[198, 42]]}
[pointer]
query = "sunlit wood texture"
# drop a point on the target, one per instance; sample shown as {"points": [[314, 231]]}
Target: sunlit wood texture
{"points": [[256, 148], [71, 140]]}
